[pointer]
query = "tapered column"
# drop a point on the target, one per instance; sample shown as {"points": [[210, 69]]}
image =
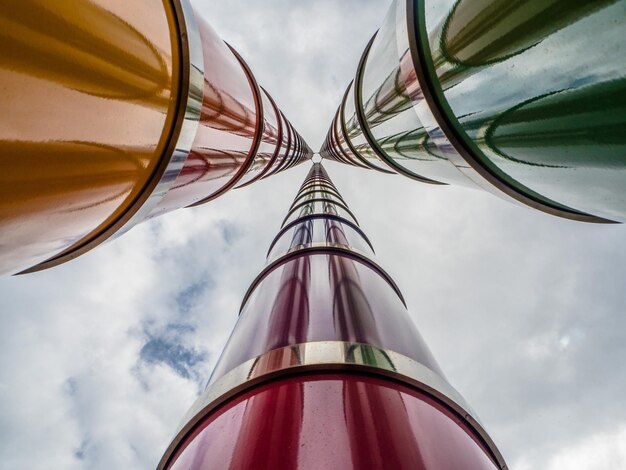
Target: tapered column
{"points": [[523, 99], [325, 368], [113, 112]]}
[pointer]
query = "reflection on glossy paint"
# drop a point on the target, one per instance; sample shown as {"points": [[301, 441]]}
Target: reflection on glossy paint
{"points": [[565, 125], [93, 131], [534, 89], [228, 120], [84, 46], [560, 139], [480, 32], [87, 106], [341, 420]]}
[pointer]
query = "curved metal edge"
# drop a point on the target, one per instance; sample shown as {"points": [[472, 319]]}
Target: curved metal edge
{"points": [[316, 245], [358, 159], [279, 139], [306, 190], [319, 191], [297, 150], [318, 177], [304, 203], [259, 127], [288, 148], [346, 138], [180, 139], [321, 249], [326, 186], [367, 133], [334, 217], [419, 50], [327, 356]]}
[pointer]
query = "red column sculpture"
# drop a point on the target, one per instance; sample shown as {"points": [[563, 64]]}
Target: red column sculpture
{"points": [[325, 368]]}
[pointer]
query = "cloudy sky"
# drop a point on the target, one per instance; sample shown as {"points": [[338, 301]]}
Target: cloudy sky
{"points": [[101, 357]]}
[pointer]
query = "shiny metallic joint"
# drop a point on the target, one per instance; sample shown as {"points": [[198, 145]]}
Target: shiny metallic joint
{"points": [[327, 356], [185, 126]]}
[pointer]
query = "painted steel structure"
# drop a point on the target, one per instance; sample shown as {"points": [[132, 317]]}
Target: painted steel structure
{"points": [[113, 112], [325, 368], [523, 99]]}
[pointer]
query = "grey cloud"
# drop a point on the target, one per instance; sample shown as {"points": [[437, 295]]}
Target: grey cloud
{"points": [[172, 353]]}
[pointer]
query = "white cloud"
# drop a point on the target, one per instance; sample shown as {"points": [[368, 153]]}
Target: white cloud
{"points": [[602, 450]]}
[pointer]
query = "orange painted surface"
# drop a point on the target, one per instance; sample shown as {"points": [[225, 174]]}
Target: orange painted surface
{"points": [[89, 90]]}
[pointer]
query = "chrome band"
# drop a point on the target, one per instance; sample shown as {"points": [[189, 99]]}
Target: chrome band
{"points": [[360, 114], [183, 132], [463, 157], [325, 356], [303, 219], [321, 248], [320, 182]]}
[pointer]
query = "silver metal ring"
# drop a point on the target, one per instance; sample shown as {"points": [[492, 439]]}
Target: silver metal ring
{"points": [[324, 356]]}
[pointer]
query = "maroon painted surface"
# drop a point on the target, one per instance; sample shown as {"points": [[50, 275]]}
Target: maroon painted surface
{"points": [[322, 297], [333, 421]]}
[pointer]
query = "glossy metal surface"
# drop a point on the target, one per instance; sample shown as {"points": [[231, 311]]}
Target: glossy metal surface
{"points": [[323, 307], [321, 304], [376, 424], [559, 140], [364, 125], [86, 117], [317, 232], [510, 97]]}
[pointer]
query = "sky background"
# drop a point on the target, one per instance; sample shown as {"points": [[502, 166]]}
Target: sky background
{"points": [[101, 357]]}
